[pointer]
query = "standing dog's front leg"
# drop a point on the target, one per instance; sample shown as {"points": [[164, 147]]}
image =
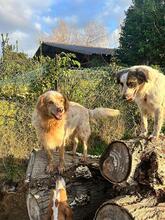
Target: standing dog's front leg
{"points": [[144, 124], [158, 122]]}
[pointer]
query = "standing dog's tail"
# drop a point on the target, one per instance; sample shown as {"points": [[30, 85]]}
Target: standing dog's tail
{"points": [[99, 113]]}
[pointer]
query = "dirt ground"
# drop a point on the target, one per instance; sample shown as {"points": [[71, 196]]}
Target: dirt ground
{"points": [[13, 206]]}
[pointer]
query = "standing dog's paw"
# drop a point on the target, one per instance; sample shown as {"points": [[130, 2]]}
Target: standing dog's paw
{"points": [[153, 138], [143, 134]]}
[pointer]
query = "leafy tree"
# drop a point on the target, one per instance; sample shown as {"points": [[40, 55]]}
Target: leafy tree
{"points": [[143, 33]]}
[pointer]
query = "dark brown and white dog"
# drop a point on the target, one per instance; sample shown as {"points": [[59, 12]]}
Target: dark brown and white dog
{"points": [[145, 86], [58, 208]]}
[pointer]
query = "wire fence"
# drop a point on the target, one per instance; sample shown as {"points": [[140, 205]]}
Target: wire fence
{"points": [[93, 87]]}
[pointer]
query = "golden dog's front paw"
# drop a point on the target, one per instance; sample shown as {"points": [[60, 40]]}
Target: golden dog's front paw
{"points": [[61, 167], [50, 168], [83, 159]]}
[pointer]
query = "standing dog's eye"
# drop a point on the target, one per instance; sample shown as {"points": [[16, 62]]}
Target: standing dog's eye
{"points": [[121, 84], [131, 84]]}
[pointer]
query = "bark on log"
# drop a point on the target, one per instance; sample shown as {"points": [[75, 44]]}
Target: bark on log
{"points": [[86, 188], [135, 162], [131, 207]]}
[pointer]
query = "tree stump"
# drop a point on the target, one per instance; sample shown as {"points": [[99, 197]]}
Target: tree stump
{"points": [[131, 207], [135, 161], [86, 188]]}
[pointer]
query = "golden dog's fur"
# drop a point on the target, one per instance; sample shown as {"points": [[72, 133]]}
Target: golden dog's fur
{"points": [[146, 86], [57, 119]]}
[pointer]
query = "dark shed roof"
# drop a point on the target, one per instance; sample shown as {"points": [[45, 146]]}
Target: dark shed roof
{"points": [[80, 49]]}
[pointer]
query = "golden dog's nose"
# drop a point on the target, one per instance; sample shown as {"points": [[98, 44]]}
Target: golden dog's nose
{"points": [[59, 110]]}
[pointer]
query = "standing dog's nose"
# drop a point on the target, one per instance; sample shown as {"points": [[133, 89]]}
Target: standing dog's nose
{"points": [[124, 96]]}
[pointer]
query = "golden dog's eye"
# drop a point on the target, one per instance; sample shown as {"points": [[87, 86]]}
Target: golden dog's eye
{"points": [[50, 102]]}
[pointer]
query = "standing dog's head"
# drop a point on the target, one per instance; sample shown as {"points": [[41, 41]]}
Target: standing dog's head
{"points": [[131, 80], [52, 104]]}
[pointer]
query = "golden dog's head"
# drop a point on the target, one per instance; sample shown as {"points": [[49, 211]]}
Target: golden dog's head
{"points": [[52, 104], [131, 80]]}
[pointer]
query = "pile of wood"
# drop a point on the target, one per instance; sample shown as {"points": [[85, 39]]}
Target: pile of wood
{"points": [[137, 168], [126, 182]]}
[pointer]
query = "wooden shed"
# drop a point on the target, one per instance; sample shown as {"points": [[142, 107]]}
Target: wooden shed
{"points": [[87, 56]]}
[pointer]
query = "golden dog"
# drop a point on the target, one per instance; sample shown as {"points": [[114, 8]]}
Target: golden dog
{"points": [[56, 119]]}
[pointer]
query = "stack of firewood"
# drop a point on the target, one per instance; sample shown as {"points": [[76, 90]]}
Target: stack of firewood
{"points": [[136, 168], [126, 182]]}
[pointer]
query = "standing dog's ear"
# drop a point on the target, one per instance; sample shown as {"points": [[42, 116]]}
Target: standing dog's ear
{"points": [[66, 103], [142, 75], [120, 73]]}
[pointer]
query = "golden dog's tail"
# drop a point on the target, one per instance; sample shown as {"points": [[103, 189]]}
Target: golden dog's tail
{"points": [[99, 113]]}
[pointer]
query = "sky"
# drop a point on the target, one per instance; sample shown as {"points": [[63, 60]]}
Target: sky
{"points": [[27, 21]]}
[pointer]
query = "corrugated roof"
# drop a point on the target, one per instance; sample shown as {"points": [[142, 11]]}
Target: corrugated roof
{"points": [[81, 49]]}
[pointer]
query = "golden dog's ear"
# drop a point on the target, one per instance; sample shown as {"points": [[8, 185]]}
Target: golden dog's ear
{"points": [[40, 103], [66, 103]]}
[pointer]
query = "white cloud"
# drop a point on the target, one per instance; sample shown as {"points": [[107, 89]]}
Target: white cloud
{"points": [[21, 19], [25, 20], [50, 20], [31, 52], [114, 9], [37, 26], [114, 38], [18, 35], [26, 43]]}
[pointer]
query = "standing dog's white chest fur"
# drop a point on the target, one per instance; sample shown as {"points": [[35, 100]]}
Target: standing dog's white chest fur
{"points": [[146, 104]]}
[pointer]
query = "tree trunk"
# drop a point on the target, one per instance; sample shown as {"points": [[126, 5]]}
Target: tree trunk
{"points": [[135, 162], [86, 188], [131, 207]]}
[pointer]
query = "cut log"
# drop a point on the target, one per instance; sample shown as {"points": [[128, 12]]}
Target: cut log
{"points": [[131, 207], [86, 188], [135, 162], [124, 162], [115, 163]]}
